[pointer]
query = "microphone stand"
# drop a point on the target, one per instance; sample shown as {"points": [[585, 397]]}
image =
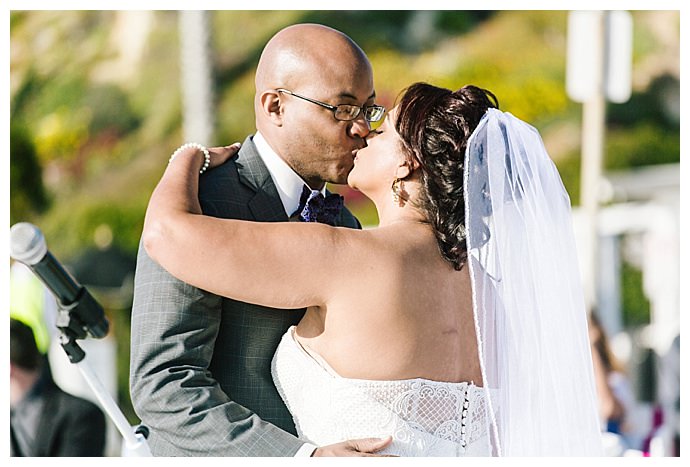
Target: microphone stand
{"points": [[70, 331]]}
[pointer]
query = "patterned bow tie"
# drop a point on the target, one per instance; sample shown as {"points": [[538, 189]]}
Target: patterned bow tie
{"points": [[314, 207]]}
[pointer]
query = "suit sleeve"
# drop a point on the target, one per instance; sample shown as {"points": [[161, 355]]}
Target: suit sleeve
{"points": [[174, 328]]}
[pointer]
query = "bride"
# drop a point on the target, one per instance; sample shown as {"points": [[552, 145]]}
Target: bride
{"points": [[456, 326]]}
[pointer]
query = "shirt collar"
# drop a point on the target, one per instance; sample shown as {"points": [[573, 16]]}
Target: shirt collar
{"points": [[288, 183]]}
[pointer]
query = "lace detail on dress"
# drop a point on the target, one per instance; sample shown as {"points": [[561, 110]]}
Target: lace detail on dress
{"points": [[441, 409], [424, 417]]}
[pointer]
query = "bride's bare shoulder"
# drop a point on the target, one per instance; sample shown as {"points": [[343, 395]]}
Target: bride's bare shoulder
{"points": [[387, 243]]}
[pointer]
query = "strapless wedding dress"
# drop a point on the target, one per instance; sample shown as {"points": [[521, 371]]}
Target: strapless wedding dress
{"points": [[425, 418]]}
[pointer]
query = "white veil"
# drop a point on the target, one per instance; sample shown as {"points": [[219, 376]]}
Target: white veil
{"points": [[529, 309]]}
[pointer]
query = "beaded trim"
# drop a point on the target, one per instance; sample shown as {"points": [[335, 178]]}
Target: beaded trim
{"points": [[207, 156]]}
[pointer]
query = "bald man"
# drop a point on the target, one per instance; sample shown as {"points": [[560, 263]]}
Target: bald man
{"points": [[200, 373]]}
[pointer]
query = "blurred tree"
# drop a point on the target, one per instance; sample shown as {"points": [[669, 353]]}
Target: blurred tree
{"points": [[111, 112], [658, 105], [635, 305], [406, 31], [643, 131], [28, 197]]}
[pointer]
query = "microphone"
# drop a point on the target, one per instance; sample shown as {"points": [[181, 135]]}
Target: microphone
{"points": [[28, 246]]}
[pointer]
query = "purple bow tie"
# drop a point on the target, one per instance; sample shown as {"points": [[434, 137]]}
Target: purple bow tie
{"points": [[314, 207]]}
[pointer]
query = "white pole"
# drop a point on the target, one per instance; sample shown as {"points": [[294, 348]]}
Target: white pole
{"points": [[593, 121], [195, 64], [135, 443]]}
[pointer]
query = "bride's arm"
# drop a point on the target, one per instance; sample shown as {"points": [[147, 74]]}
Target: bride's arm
{"points": [[282, 265]]}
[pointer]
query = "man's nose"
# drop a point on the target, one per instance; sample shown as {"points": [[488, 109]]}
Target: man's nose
{"points": [[360, 127]]}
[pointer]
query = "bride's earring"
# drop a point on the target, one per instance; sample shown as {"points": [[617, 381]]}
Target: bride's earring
{"points": [[397, 190]]}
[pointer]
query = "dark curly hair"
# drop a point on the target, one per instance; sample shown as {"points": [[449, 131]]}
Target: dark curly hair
{"points": [[435, 125]]}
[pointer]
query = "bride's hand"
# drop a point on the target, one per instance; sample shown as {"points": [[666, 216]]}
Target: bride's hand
{"points": [[194, 158], [221, 154]]}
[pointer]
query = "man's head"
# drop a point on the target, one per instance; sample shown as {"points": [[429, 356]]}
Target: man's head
{"points": [[23, 351], [313, 62], [25, 360]]}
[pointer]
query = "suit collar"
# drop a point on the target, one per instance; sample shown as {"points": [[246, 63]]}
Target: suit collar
{"points": [[252, 170], [265, 205], [288, 183]]}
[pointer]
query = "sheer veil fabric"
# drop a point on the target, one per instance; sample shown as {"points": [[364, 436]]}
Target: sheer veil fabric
{"points": [[529, 308]]}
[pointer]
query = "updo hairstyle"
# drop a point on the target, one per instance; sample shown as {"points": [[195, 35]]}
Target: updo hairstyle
{"points": [[435, 125]]}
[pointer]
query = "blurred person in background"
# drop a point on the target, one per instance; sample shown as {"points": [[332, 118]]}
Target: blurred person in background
{"points": [[45, 421], [664, 438], [614, 392], [457, 325], [200, 372]]}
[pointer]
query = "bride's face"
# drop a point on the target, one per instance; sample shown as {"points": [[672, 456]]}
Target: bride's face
{"points": [[376, 165]]}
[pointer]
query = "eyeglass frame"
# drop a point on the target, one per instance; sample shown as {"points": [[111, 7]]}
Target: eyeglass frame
{"points": [[334, 108]]}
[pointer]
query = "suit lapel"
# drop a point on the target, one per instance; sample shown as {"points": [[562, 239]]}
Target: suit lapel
{"points": [[265, 205], [45, 436]]}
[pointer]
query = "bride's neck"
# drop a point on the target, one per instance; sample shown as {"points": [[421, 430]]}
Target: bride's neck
{"points": [[394, 211], [391, 213]]}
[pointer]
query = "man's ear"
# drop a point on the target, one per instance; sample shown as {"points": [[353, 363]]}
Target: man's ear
{"points": [[271, 106]]}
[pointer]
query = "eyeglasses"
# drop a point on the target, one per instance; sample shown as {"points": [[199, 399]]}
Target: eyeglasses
{"points": [[346, 112]]}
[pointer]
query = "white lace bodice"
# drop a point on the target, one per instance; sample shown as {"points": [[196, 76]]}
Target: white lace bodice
{"points": [[425, 418]]}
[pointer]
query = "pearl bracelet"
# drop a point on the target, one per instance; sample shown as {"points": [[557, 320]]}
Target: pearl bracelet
{"points": [[207, 156]]}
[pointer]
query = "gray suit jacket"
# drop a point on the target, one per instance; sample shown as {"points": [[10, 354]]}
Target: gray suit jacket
{"points": [[200, 369]]}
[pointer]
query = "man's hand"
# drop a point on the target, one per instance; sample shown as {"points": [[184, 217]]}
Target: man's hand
{"points": [[366, 447]]}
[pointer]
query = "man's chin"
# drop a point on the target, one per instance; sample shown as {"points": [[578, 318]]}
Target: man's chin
{"points": [[341, 178]]}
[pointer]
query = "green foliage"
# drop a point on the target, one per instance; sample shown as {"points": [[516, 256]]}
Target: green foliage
{"points": [[640, 145], [28, 197], [68, 113], [72, 227], [235, 112], [640, 132], [569, 169], [526, 75], [636, 146], [405, 31], [653, 106], [636, 309], [120, 323], [462, 21], [154, 92], [110, 110]]}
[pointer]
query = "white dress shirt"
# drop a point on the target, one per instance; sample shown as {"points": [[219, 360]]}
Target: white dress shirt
{"points": [[288, 184]]}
